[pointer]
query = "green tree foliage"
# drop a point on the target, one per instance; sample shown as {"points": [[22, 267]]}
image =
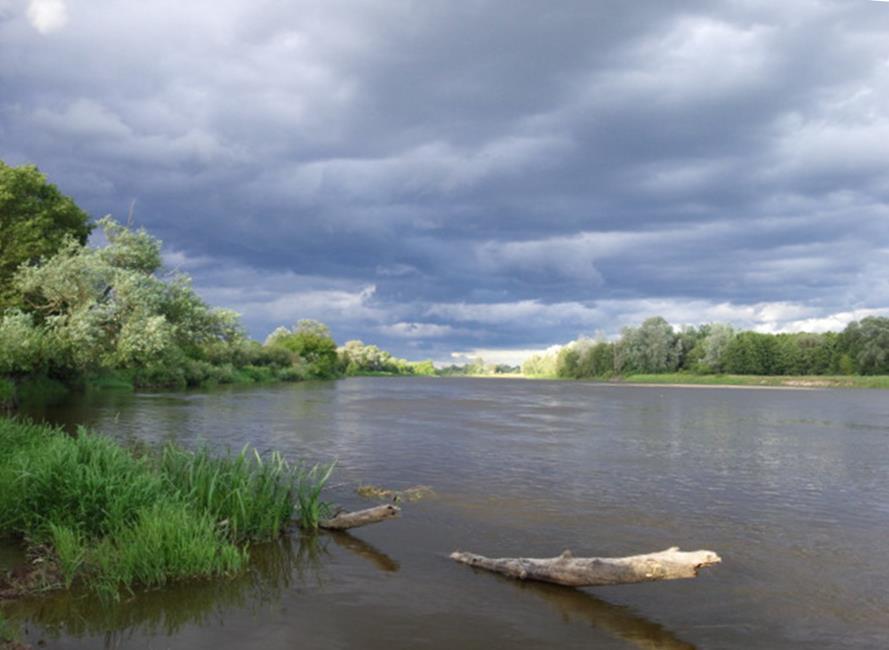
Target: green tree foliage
{"points": [[541, 365], [654, 347], [109, 308], [650, 348], [358, 358], [36, 220], [68, 310], [21, 344], [866, 344], [751, 353], [311, 342], [714, 345]]}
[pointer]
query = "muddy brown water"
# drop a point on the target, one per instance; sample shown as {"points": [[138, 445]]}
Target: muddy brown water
{"points": [[790, 487]]}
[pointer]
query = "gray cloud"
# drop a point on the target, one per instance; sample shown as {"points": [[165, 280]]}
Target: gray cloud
{"points": [[437, 177]]}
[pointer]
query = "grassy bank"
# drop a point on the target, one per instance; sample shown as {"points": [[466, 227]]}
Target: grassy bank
{"points": [[42, 389], [794, 381], [112, 519], [778, 381]]}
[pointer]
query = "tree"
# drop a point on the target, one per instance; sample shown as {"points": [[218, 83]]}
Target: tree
{"points": [[651, 347], [312, 342], [717, 341], [35, 222], [107, 307], [751, 353], [867, 344]]}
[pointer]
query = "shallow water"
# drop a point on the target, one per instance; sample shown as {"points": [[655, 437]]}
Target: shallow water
{"points": [[790, 487]]}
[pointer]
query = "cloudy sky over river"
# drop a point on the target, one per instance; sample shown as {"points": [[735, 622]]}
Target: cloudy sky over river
{"points": [[458, 176]]}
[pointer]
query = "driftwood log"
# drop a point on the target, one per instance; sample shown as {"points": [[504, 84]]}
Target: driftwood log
{"points": [[346, 520], [573, 571]]}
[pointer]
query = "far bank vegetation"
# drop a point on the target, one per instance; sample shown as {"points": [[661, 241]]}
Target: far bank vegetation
{"points": [[656, 348]]}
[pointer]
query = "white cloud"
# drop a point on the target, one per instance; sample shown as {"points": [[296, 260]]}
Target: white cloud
{"points": [[47, 16], [513, 357], [417, 330], [527, 312], [610, 316]]}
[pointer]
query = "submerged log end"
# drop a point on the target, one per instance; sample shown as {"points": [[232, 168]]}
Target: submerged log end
{"points": [[693, 561], [346, 520], [465, 558]]}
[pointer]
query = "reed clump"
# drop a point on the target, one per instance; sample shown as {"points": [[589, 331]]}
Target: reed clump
{"points": [[311, 509], [251, 497], [113, 520]]}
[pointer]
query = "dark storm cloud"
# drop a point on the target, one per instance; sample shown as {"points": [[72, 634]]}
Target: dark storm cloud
{"points": [[440, 176]]}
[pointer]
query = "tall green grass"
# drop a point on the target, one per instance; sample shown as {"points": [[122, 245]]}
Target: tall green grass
{"points": [[113, 520], [310, 482], [251, 497]]}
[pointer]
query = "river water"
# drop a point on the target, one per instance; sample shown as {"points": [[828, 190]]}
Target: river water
{"points": [[790, 487]]}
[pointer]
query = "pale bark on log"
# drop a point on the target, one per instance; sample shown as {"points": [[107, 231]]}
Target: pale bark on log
{"points": [[573, 571], [346, 520]]}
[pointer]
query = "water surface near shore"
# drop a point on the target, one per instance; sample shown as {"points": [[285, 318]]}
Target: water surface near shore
{"points": [[790, 487]]}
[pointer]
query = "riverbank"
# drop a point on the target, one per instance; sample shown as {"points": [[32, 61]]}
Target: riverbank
{"points": [[94, 514], [43, 389], [685, 380], [760, 381]]}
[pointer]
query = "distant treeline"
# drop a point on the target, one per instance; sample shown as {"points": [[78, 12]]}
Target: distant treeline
{"points": [[478, 367], [655, 347], [72, 314]]}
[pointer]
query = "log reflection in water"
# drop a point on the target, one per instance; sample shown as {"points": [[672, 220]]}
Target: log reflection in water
{"points": [[362, 549], [617, 620]]}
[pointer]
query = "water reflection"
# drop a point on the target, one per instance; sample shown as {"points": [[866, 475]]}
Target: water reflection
{"points": [[364, 550], [164, 611], [291, 563], [620, 622]]}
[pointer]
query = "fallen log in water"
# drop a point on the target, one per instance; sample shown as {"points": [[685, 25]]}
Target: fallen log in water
{"points": [[346, 520], [573, 571]]}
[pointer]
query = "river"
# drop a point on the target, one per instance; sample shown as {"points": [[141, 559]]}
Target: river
{"points": [[790, 487]]}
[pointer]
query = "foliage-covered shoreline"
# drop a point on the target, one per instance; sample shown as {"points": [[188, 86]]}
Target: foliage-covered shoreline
{"points": [[74, 316], [654, 351], [728, 381]]}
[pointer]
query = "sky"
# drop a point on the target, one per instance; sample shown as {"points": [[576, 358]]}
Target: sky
{"points": [[467, 177]]}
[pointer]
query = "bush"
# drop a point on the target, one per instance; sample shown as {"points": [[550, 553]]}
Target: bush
{"points": [[258, 374], [293, 373], [160, 376], [21, 343], [7, 393]]}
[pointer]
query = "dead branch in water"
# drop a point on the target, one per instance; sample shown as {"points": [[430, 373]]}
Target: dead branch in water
{"points": [[571, 571], [346, 520]]}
